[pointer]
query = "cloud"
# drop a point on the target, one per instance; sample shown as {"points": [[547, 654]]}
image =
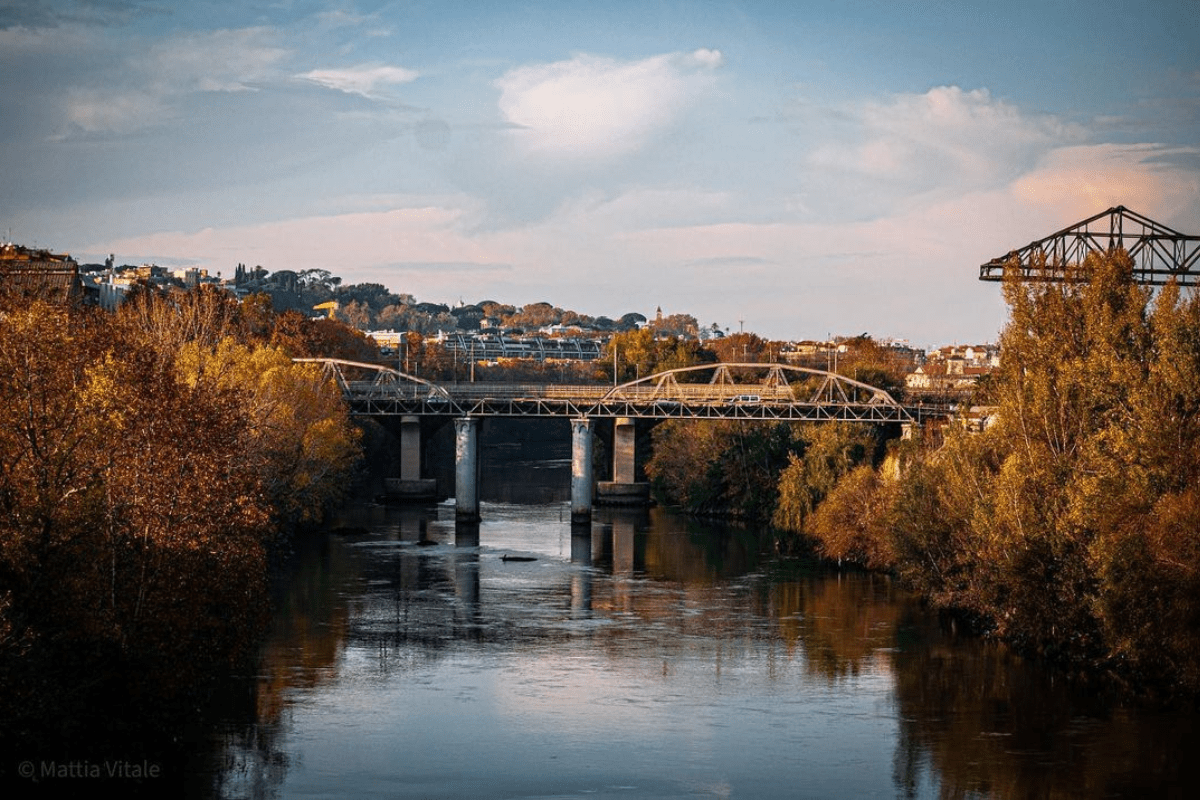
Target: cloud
{"points": [[595, 108], [1077, 182], [111, 111], [367, 241], [943, 141], [127, 92], [230, 60], [365, 79]]}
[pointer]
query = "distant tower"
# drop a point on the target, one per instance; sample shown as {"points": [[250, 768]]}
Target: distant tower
{"points": [[658, 316]]}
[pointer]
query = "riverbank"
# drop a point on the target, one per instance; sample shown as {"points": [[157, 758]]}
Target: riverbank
{"points": [[1070, 527], [152, 460]]}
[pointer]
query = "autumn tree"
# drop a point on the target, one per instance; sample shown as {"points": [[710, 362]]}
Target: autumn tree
{"points": [[300, 336], [825, 454], [299, 440], [721, 467], [1072, 526], [146, 462], [639, 353], [130, 531], [740, 348], [681, 325]]}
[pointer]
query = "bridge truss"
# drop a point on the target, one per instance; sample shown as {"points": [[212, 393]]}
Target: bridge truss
{"points": [[1158, 252], [711, 391]]}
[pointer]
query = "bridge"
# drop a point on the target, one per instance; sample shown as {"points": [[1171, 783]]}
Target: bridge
{"points": [[709, 391], [764, 392], [1159, 254]]}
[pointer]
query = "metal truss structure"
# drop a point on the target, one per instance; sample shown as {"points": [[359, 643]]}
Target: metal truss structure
{"points": [[1159, 253], [711, 391]]}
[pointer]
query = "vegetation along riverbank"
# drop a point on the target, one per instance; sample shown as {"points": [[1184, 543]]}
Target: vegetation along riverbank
{"points": [[1070, 526], [149, 460]]}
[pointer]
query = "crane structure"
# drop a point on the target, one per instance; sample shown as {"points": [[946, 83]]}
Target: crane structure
{"points": [[1159, 254]]}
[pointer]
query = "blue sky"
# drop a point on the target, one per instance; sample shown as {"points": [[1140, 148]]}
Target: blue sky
{"points": [[811, 168]]}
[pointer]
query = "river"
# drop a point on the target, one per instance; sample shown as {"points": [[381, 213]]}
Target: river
{"points": [[645, 656]]}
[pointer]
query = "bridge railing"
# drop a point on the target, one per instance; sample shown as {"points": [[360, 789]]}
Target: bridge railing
{"points": [[782, 392]]}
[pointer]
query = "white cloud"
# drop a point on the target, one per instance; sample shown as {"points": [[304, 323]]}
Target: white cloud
{"points": [[230, 60], [1077, 182], [705, 57], [112, 111], [943, 139], [143, 89], [364, 241], [598, 108], [365, 79]]}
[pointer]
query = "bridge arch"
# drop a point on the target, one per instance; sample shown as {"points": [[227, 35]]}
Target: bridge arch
{"points": [[364, 380], [775, 383]]}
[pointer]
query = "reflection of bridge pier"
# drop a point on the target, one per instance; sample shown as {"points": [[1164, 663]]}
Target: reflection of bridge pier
{"points": [[465, 575], [581, 577], [621, 541]]}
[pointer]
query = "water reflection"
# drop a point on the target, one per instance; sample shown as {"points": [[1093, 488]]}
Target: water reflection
{"points": [[650, 652]]}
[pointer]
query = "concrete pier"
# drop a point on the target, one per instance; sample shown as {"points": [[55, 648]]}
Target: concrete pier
{"points": [[410, 448], [466, 469], [410, 486], [624, 489], [582, 485]]}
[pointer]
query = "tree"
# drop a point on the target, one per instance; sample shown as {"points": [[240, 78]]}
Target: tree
{"points": [[300, 442], [372, 295], [828, 452], [145, 461], [357, 315], [739, 348], [721, 467], [1073, 525], [683, 325], [630, 321], [129, 531], [298, 336], [640, 353], [205, 314]]}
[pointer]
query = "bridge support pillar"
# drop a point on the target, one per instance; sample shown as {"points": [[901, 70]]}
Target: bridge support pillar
{"points": [[623, 489], [410, 448], [410, 486], [466, 469], [581, 470]]}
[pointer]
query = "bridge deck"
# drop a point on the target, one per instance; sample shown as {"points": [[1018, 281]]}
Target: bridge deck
{"points": [[695, 402], [782, 393]]}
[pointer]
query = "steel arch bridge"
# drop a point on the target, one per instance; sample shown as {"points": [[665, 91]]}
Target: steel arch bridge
{"points": [[709, 391]]}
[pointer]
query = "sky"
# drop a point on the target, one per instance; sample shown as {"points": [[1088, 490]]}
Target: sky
{"points": [[797, 169]]}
